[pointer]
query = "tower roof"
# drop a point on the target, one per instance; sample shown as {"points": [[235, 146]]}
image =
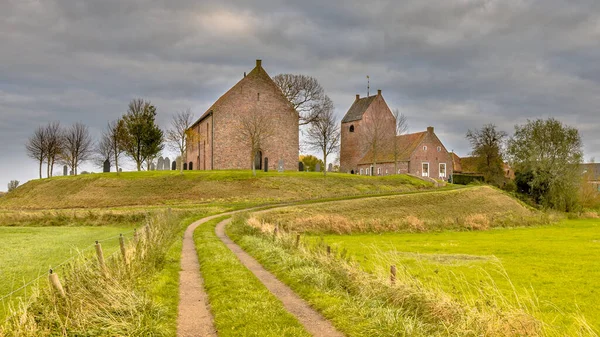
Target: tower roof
{"points": [[358, 108]]}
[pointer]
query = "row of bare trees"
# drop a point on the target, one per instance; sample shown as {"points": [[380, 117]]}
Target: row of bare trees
{"points": [[52, 144]]}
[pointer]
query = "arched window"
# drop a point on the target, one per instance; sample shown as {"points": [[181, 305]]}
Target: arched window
{"points": [[351, 128]]}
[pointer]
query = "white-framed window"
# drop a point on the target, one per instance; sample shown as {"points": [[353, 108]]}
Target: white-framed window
{"points": [[425, 169], [361, 172], [425, 148], [379, 171], [439, 148], [442, 170]]}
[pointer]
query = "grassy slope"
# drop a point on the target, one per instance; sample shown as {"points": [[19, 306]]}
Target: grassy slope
{"points": [[37, 249], [558, 262], [241, 305], [195, 187], [436, 210]]}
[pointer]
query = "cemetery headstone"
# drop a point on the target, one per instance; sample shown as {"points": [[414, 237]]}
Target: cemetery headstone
{"points": [[106, 166], [160, 164], [120, 170], [174, 166], [318, 167], [167, 164], [152, 167], [65, 170], [330, 167], [280, 166], [300, 166], [266, 164]]}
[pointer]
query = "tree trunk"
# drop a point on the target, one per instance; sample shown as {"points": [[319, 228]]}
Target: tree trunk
{"points": [[181, 165], [41, 163], [116, 163], [139, 165], [253, 163], [325, 164]]}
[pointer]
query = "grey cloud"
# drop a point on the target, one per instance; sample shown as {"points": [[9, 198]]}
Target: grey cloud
{"points": [[452, 64]]}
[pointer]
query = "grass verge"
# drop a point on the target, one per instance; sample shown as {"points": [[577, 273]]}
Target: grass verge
{"points": [[239, 302], [111, 301], [360, 303]]}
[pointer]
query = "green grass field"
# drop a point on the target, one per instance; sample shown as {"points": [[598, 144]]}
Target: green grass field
{"points": [[168, 188], [559, 264], [28, 253]]}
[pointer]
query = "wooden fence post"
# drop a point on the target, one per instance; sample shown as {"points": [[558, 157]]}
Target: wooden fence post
{"points": [[56, 284], [100, 256], [123, 251], [328, 250], [275, 231], [297, 240], [393, 274]]}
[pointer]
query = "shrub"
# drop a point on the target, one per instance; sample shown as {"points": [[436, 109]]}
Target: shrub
{"points": [[415, 224], [12, 185], [465, 179], [477, 222]]}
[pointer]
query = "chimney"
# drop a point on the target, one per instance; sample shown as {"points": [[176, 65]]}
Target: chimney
{"points": [[259, 63], [357, 97], [430, 129], [378, 92]]}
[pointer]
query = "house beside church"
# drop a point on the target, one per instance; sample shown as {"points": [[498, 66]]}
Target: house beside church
{"points": [[216, 144], [421, 154]]}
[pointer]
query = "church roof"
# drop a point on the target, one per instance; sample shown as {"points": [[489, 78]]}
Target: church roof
{"points": [[256, 74], [358, 108], [407, 144]]}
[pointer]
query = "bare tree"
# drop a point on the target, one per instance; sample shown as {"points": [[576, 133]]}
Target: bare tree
{"points": [[305, 93], [104, 151], [401, 128], [179, 136], [255, 129], [116, 134], [324, 135], [377, 134], [54, 145], [78, 146], [36, 147]]}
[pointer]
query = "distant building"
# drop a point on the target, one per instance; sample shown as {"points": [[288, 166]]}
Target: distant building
{"points": [[468, 165], [421, 154], [591, 173], [217, 145]]}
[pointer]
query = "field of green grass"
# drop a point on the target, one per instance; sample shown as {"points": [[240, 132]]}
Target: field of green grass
{"points": [[28, 253], [472, 208], [557, 264], [197, 188]]}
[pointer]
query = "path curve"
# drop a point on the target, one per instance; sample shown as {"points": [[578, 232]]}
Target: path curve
{"points": [[312, 320]]}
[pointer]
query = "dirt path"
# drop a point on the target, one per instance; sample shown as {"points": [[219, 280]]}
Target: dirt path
{"points": [[194, 317], [314, 323]]}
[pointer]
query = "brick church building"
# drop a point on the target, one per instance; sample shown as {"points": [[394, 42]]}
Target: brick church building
{"points": [[421, 154], [216, 144]]}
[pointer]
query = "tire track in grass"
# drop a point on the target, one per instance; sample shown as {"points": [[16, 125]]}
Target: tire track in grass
{"points": [[313, 321], [240, 303]]}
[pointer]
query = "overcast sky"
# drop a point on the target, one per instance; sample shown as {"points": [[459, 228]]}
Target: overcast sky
{"points": [[454, 65]]}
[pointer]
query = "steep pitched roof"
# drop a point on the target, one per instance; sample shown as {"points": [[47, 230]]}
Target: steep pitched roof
{"points": [[456, 164], [256, 74], [358, 108], [407, 144], [468, 164]]}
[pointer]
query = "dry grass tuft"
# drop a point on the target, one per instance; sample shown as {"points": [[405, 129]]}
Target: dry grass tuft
{"points": [[414, 224], [477, 222]]}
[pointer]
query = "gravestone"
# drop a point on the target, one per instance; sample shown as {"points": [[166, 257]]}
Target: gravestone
{"points": [[318, 167], [266, 164], [152, 167], [120, 170], [174, 166], [161, 164], [167, 164], [191, 166], [280, 166], [106, 166], [184, 166], [330, 167], [65, 170], [300, 166]]}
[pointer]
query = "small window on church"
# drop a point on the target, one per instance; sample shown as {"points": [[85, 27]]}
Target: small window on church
{"points": [[439, 148], [258, 96], [424, 148], [351, 128]]}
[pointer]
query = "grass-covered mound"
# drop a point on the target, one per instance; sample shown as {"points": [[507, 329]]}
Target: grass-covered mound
{"points": [[196, 187], [474, 208]]}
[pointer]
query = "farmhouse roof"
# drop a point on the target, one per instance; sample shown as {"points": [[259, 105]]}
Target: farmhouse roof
{"points": [[255, 75], [593, 169], [456, 165], [468, 164], [358, 108], [407, 144]]}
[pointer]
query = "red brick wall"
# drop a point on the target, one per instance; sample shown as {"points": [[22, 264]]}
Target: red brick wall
{"points": [[431, 156], [386, 168], [200, 151], [352, 145], [256, 92]]}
